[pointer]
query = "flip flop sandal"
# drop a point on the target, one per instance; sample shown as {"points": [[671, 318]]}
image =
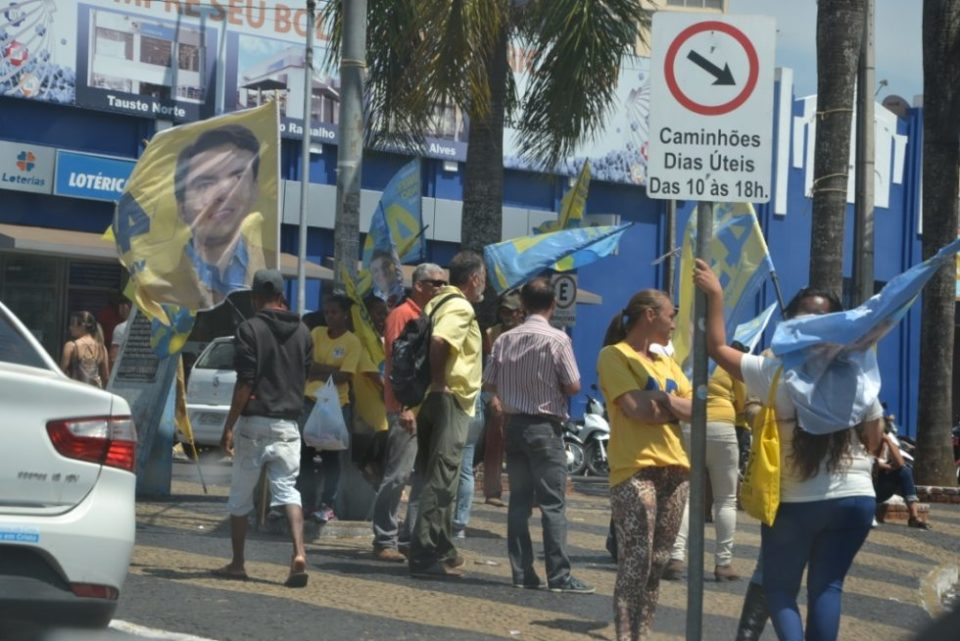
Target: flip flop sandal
{"points": [[296, 580], [226, 573]]}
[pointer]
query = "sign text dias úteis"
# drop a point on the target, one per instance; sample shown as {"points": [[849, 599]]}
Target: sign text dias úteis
{"points": [[711, 107]]}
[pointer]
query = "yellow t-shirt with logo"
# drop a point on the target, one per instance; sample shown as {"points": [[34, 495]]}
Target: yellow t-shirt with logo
{"points": [[369, 406], [725, 398], [342, 352], [635, 444], [456, 323]]}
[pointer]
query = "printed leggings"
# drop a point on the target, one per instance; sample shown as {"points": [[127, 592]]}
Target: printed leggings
{"points": [[647, 510]]}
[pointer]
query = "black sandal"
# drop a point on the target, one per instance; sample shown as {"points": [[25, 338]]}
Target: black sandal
{"points": [[917, 523]]}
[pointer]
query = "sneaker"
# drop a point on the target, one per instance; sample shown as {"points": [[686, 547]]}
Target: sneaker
{"points": [[388, 555], [460, 534], [575, 585], [324, 515], [725, 573], [456, 562], [674, 571], [529, 582]]}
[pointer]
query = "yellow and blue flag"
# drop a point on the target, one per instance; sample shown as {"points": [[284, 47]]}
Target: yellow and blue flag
{"points": [[396, 234], [198, 216], [362, 323], [572, 206], [739, 256], [514, 261], [829, 362]]}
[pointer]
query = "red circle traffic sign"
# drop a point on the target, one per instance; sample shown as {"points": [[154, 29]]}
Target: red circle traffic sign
{"points": [[686, 101]]}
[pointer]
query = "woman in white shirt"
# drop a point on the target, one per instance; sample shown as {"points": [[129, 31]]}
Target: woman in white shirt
{"points": [[826, 493]]}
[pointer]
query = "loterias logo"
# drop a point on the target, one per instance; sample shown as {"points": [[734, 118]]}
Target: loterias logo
{"points": [[26, 160]]}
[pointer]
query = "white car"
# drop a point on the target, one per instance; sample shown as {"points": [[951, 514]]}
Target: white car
{"points": [[67, 489], [210, 390]]}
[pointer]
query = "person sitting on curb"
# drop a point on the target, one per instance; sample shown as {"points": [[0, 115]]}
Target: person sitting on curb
{"points": [[893, 476]]}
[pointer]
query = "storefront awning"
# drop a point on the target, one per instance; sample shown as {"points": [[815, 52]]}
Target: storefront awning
{"points": [[82, 244]]}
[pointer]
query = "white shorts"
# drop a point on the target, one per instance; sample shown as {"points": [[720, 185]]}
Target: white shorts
{"points": [[260, 441]]}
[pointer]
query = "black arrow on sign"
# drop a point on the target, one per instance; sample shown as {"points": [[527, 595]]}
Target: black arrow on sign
{"points": [[723, 76]]}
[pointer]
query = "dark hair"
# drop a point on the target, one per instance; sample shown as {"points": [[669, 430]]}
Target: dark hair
{"points": [[464, 265], [537, 295], [340, 300], [793, 307], [373, 299], [89, 323], [629, 315], [809, 451], [235, 135]]}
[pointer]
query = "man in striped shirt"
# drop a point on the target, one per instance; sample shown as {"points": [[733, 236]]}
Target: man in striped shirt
{"points": [[532, 371]]}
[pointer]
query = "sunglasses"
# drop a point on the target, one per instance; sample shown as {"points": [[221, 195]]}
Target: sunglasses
{"points": [[435, 283]]}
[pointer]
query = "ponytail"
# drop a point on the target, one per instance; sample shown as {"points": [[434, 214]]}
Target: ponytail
{"points": [[621, 323]]}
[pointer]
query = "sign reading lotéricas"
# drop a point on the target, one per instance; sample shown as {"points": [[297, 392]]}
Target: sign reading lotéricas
{"points": [[90, 176], [25, 167]]}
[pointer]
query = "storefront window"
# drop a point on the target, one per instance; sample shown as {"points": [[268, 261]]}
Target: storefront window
{"points": [[30, 289]]}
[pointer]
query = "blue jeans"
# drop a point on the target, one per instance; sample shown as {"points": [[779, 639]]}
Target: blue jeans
{"points": [[826, 535], [465, 491], [898, 481]]}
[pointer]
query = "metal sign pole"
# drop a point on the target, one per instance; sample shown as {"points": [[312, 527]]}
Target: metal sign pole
{"points": [[305, 161], [698, 439]]}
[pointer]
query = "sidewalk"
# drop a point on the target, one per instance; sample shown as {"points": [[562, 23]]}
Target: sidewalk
{"points": [[887, 596]]}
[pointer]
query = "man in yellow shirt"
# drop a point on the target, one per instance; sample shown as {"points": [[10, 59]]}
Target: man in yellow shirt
{"points": [[336, 354], [444, 417]]}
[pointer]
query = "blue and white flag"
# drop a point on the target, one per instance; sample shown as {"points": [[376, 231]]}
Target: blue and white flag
{"points": [[514, 261], [748, 334], [830, 364]]}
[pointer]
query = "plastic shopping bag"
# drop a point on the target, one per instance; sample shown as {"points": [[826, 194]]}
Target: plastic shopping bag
{"points": [[760, 488], [325, 428]]}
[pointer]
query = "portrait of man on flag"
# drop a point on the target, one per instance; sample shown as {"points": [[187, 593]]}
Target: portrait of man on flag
{"points": [[199, 215]]}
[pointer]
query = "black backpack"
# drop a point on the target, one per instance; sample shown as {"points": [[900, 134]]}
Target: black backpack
{"points": [[410, 366]]}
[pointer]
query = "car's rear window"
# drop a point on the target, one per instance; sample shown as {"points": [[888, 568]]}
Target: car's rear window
{"points": [[14, 348], [219, 356]]}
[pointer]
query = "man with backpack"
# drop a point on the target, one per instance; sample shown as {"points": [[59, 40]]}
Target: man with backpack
{"points": [[442, 423], [401, 450]]}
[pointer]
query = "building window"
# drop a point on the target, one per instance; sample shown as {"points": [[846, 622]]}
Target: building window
{"points": [[156, 51], [188, 57], [114, 44]]}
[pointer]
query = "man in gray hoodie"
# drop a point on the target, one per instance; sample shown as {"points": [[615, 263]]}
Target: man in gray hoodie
{"points": [[273, 355]]}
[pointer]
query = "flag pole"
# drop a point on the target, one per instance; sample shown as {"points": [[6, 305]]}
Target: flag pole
{"points": [[776, 287], [305, 159]]}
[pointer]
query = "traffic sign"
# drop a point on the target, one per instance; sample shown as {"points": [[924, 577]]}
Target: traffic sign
{"points": [[711, 107], [565, 291]]}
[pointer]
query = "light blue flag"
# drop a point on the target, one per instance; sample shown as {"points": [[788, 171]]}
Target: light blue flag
{"points": [[830, 364], [748, 334], [396, 234], [514, 261]]}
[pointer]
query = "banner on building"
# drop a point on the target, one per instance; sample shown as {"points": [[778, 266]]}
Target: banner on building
{"points": [[199, 214]]}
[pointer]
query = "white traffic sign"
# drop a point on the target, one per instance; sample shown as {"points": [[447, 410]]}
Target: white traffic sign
{"points": [[565, 290], [711, 107]]}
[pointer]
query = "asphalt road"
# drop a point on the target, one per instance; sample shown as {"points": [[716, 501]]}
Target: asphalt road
{"points": [[353, 597]]}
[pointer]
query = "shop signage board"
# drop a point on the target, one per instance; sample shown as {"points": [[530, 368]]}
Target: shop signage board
{"points": [[711, 107], [565, 290], [91, 176], [25, 167]]}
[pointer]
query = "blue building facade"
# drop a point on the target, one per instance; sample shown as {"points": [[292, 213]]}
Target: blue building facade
{"points": [[56, 268]]}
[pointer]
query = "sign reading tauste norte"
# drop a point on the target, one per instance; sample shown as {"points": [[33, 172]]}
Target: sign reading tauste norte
{"points": [[711, 107]]}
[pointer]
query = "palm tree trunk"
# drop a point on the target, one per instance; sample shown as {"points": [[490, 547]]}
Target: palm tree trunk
{"points": [[839, 36], [482, 219], [941, 174]]}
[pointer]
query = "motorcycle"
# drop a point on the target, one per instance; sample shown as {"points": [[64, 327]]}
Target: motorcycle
{"points": [[573, 446], [595, 434]]}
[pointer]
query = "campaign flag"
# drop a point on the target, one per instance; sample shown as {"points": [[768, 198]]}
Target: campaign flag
{"points": [[513, 261], [395, 235], [572, 206], [199, 214], [748, 334], [738, 254], [830, 364], [362, 323]]}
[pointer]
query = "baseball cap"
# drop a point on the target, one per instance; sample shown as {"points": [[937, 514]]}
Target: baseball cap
{"points": [[511, 301], [267, 282]]}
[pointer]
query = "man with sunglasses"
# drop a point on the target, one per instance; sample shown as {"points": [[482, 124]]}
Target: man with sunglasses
{"points": [[388, 539]]}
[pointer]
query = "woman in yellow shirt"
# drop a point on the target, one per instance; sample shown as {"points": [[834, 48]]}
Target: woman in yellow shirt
{"points": [[647, 395]]}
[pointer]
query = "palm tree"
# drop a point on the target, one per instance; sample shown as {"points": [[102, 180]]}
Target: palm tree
{"points": [[941, 175], [839, 36], [425, 54]]}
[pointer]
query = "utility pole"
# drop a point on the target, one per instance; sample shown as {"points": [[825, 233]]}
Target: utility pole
{"points": [[353, 56], [863, 235], [305, 159]]}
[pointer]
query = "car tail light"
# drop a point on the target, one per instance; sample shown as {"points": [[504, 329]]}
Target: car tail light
{"points": [[107, 440], [94, 591]]}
